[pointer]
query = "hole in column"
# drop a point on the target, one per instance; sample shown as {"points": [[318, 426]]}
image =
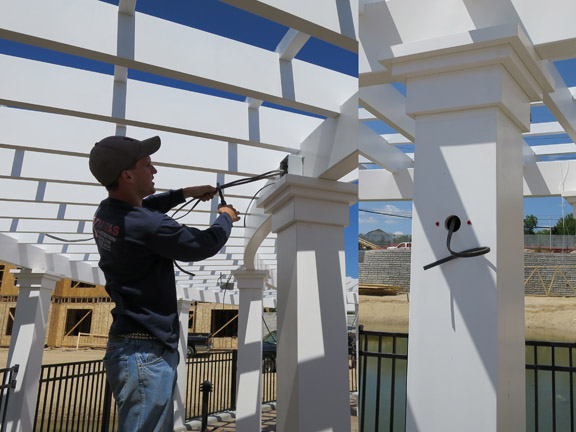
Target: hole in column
{"points": [[453, 220]]}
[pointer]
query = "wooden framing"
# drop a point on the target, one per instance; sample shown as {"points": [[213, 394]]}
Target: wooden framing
{"points": [[71, 295]]}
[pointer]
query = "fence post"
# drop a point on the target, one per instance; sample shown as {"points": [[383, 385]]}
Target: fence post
{"points": [[205, 388], [106, 407], [27, 344], [234, 379], [8, 386]]}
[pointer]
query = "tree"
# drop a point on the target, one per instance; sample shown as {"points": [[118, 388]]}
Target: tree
{"points": [[565, 225], [530, 222]]}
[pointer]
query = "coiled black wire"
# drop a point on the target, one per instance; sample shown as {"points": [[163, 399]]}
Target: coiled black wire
{"points": [[468, 253], [220, 187], [196, 201]]}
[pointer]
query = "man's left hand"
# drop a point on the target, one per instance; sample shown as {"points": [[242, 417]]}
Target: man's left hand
{"points": [[203, 193]]}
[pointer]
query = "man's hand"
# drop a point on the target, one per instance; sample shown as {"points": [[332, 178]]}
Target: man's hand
{"points": [[230, 210], [203, 193]]}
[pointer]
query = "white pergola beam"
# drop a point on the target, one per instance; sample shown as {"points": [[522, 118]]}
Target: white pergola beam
{"points": [[331, 151], [554, 149], [37, 85], [384, 185], [75, 136], [77, 27], [378, 151], [561, 103], [331, 20], [389, 105], [551, 27], [544, 178], [291, 44], [549, 24], [547, 128]]}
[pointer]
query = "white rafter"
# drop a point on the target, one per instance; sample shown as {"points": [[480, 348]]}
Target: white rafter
{"points": [[207, 137]]}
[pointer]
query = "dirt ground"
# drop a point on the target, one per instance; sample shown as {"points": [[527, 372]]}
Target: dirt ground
{"points": [[547, 318], [61, 355]]}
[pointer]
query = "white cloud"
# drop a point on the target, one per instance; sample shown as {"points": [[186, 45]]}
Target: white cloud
{"points": [[367, 220]]}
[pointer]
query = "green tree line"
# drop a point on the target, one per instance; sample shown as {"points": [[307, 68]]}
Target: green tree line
{"points": [[565, 226]]}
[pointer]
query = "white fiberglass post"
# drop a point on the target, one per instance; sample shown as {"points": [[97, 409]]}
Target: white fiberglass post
{"points": [[27, 345], [466, 346], [180, 397], [249, 397], [309, 216]]}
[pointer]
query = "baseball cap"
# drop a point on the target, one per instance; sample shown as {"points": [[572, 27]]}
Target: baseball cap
{"points": [[114, 154]]}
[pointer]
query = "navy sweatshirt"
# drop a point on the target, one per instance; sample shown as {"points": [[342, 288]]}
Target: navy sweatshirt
{"points": [[137, 247]]}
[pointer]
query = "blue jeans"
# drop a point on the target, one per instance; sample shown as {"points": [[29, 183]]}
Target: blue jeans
{"points": [[142, 375]]}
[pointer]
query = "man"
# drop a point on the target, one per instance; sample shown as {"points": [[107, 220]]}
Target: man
{"points": [[138, 242]]}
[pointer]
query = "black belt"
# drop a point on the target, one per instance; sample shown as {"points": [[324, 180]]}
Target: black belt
{"points": [[134, 335]]}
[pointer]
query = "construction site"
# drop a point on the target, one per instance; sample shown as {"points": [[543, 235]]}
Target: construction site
{"points": [[80, 315]]}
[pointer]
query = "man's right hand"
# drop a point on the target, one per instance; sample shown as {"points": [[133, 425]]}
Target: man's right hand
{"points": [[234, 214]]}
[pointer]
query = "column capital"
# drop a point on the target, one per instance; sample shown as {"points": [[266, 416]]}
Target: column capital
{"points": [[570, 196], [250, 279], [305, 199], [28, 278], [495, 66], [184, 303]]}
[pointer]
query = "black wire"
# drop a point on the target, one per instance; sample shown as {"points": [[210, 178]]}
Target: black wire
{"points": [[66, 240], [182, 270], [252, 179], [226, 284], [385, 214], [263, 176], [253, 198], [184, 205], [239, 182], [468, 253]]}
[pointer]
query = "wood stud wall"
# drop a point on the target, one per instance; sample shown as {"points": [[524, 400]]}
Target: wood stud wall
{"points": [[66, 297]]}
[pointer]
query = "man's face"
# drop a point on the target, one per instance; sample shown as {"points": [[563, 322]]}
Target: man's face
{"points": [[143, 175]]}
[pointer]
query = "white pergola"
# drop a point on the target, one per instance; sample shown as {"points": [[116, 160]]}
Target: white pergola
{"points": [[455, 80], [225, 109]]}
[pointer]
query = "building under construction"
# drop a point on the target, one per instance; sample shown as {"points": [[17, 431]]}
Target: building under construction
{"points": [[80, 315]]}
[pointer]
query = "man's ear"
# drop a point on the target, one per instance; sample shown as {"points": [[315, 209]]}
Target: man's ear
{"points": [[126, 176]]}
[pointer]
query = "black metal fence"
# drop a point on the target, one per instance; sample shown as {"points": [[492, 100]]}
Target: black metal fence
{"points": [[269, 385], [75, 396], [72, 397], [220, 369], [8, 380], [550, 384], [382, 394], [550, 373]]}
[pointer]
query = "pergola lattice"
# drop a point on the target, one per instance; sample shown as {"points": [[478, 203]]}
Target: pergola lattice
{"points": [[227, 106], [224, 109]]}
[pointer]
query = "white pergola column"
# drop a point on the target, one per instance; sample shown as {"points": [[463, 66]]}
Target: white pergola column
{"points": [[27, 345], [180, 396], [570, 196], [249, 397], [309, 216], [466, 347]]}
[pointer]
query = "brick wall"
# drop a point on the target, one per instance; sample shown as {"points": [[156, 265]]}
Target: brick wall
{"points": [[544, 273]]}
